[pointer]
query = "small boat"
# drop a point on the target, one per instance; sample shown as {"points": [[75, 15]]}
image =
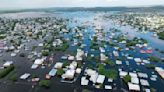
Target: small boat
{"points": [[149, 51], [142, 51]]}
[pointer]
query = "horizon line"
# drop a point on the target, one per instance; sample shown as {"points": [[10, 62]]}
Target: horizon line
{"points": [[138, 6]]}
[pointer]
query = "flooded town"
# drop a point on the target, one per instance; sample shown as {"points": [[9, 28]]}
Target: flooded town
{"points": [[82, 51]]}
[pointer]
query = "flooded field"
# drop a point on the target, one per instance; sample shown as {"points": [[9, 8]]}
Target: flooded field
{"points": [[103, 44]]}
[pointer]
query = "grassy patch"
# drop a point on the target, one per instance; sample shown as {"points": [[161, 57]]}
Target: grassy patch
{"points": [[13, 76], [127, 78], [109, 62], [161, 35], [59, 72], [44, 83], [4, 72], [150, 66], [154, 59], [110, 73]]}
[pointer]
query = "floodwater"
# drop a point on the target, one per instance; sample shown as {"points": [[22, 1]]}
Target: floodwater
{"points": [[78, 19]]}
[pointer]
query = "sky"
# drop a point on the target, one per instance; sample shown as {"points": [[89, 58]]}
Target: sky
{"points": [[23, 4]]}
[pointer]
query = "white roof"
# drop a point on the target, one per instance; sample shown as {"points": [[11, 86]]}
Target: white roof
{"points": [[153, 79], [80, 52], [24, 76], [58, 65], [78, 70], [160, 71], [110, 80], [103, 57], [71, 66], [13, 54], [84, 81], [34, 66], [135, 80], [8, 63], [100, 79], [146, 61], [40, 44], [118, 62], [64, 57], [137, 60], [134, 87], [102, 49], [38, 61], [79, 58], [147, 90], [123, 73], [142, 75], [144, 82], [90, 72], [93, 77], [74, 64], [129, 57], [52, 72], [108, 87], [115, 53], [69, 74], [71, 58], [132, 74]]}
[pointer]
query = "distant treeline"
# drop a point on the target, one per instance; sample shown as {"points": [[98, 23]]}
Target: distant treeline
{"points": [[73, 9]]}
